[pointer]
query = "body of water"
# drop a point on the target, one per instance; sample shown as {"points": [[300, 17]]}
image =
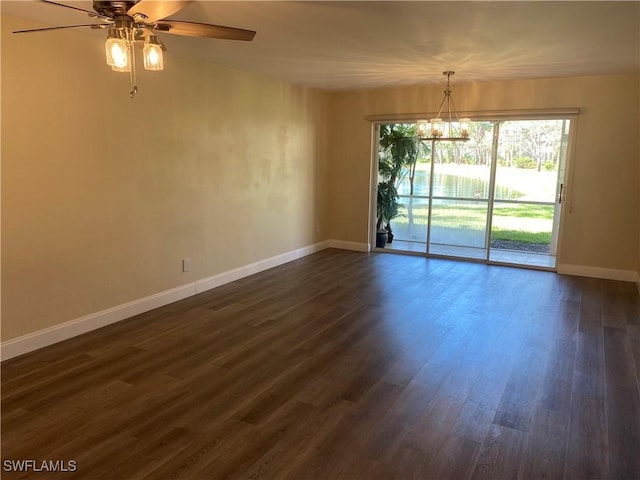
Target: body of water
{"points": [[448, 185]]}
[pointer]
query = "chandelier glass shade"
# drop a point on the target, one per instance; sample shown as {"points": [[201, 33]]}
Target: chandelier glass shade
{"points": [[449, 128]]}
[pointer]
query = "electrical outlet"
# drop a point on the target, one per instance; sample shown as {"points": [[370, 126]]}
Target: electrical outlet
{"points": [[186, 265]]}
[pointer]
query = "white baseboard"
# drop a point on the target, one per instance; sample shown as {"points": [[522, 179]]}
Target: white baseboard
{"points": [[256, 267], [355, 246], [63, 331], [57, 333], [597, 272]]}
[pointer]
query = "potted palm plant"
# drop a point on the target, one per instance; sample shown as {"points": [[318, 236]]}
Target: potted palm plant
{"points": [[387, 209], [399, 150]]}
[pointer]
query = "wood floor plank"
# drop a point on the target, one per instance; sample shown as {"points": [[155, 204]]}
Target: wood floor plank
{"points": [[203, 449], [416, 397], [634, 339], [283, 457], [346, 365], [590, 315], [546, 444], [431, 429], [587, 449], [337, 446], [236, 461], [619, 365], [623, 431], [500, 455], [557, 385], [522, 390], [588, 375], [566, 319], [330, 440], [455, 459], [492, 380]]}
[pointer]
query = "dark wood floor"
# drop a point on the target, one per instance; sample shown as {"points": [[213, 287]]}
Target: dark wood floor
{"points": [[346, 365]]}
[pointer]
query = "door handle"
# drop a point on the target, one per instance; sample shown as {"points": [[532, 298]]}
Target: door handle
{"points": [[561, 194]]}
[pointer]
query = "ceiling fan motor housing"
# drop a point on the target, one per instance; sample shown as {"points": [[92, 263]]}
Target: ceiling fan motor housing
{"points": [[111, 9]]}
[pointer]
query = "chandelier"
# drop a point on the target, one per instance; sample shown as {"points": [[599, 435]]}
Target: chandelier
{"points": [[451, 128]]}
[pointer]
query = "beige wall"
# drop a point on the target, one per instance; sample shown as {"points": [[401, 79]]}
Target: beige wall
{"points": [[103, 196], [602, 228]]}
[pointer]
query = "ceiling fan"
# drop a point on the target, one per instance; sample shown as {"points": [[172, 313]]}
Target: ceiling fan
{"points": [[135, 22]]}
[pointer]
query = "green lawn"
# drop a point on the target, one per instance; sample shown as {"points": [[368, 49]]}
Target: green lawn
{"points": [[519, 223]]}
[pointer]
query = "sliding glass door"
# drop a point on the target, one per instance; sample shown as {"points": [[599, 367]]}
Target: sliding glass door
{"points": [[527, 206], [496, 197], [461, 191]]}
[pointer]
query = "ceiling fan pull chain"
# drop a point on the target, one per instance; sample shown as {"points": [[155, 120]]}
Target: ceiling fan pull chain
{"points": [[132, 72]]}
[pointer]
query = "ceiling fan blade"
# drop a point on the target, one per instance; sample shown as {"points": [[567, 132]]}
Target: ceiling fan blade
{"points": [[90, 12], [193, 29], [93, 25], [155, 10]]}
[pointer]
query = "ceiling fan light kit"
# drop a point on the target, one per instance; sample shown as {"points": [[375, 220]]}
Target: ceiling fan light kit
{"points": [[447, 129], [132, 23], [120, 43]]}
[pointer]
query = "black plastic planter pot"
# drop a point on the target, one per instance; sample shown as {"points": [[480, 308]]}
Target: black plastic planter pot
{"points": [[381, 239]]}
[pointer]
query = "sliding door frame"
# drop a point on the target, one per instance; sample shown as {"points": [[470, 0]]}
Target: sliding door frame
{"points": [[563, 196]]}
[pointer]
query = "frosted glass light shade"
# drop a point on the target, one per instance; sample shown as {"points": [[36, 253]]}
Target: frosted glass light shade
{"points": [[153, 56], [117, 52]]}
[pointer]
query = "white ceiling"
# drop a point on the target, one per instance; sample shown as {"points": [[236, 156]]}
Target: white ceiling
{"points": [[346, 45]]}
